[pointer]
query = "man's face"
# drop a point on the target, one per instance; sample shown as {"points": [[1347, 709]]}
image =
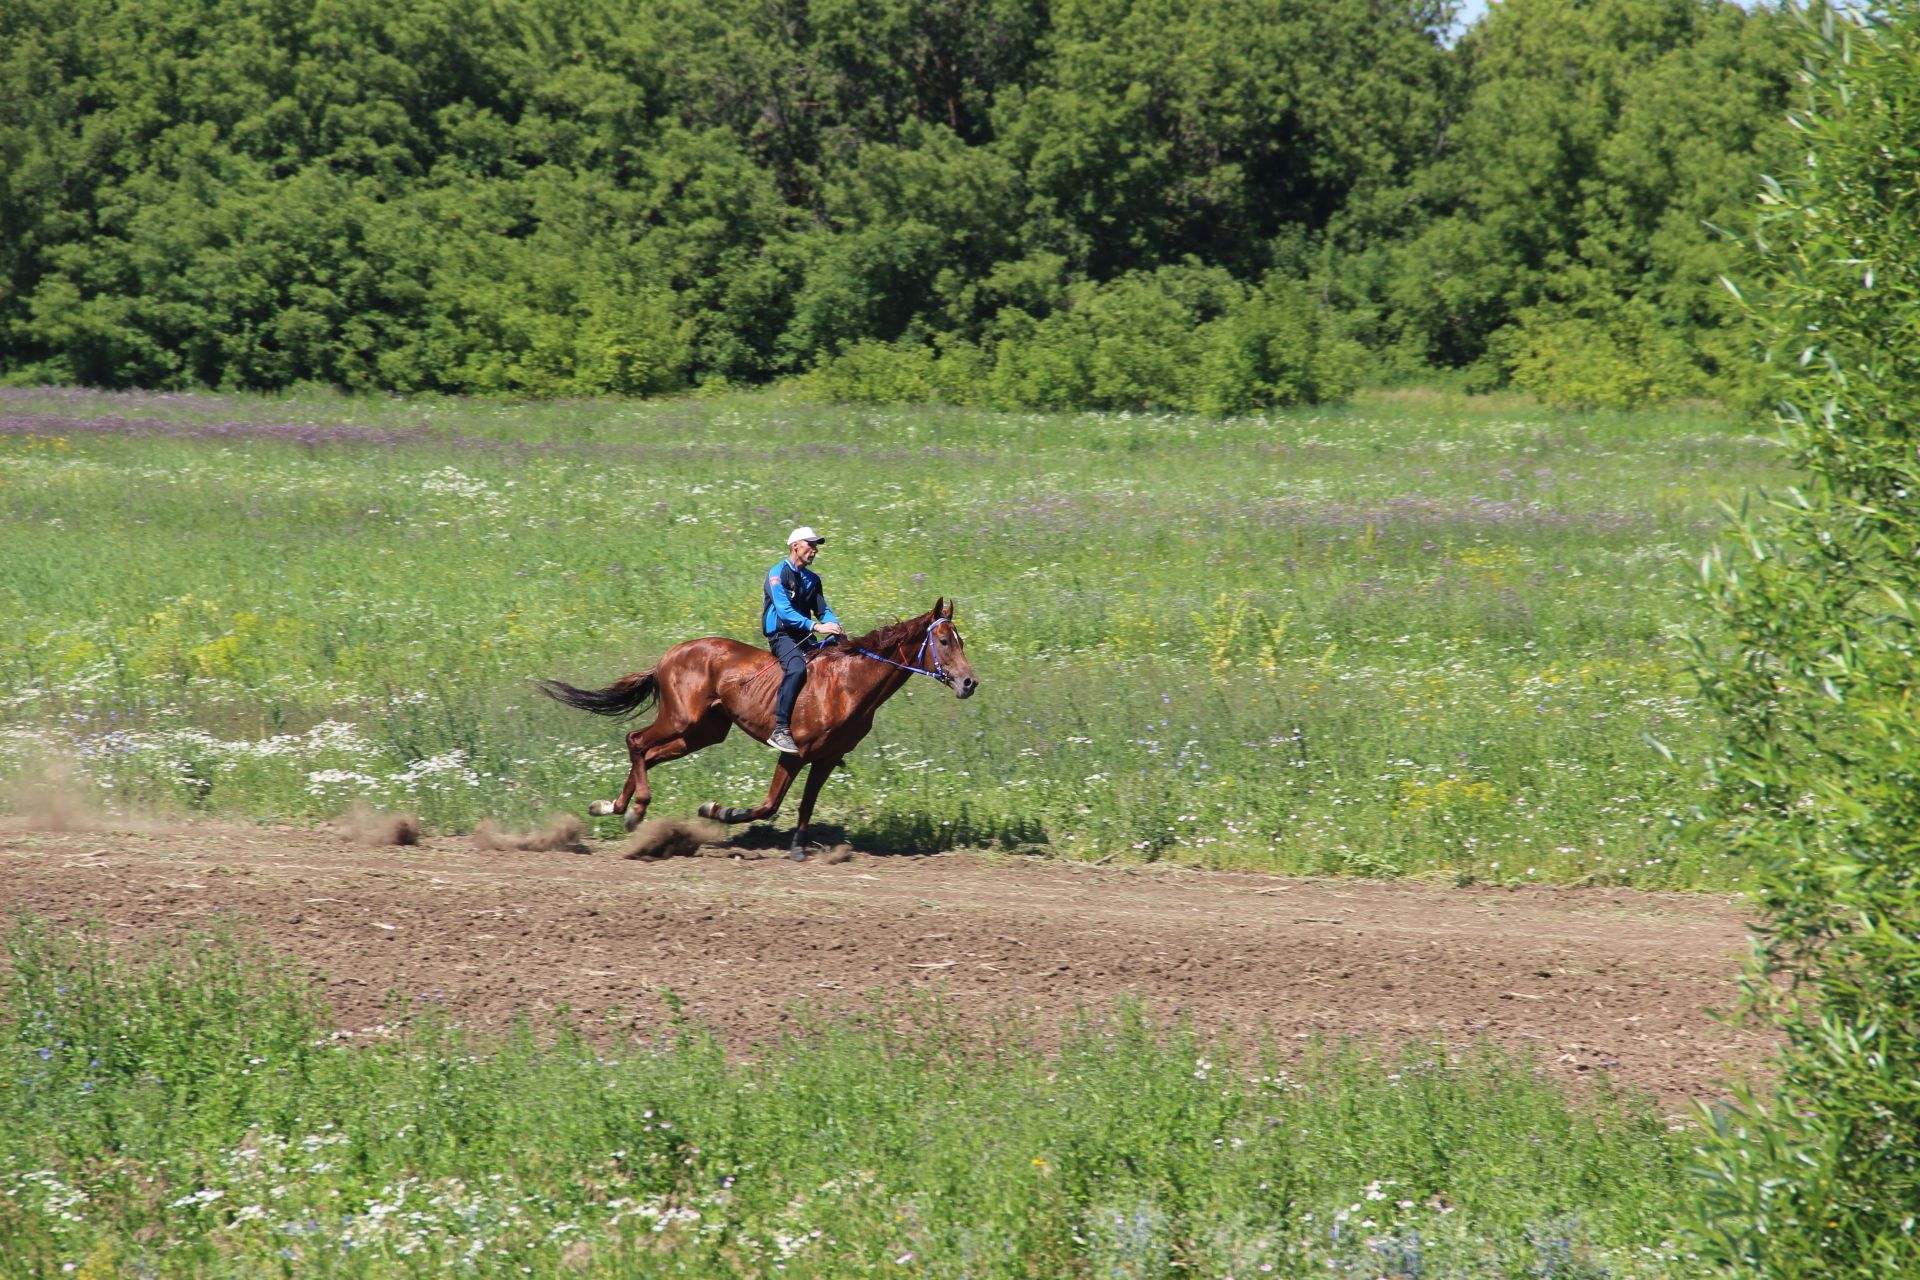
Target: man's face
{"points": [[804, 552]]}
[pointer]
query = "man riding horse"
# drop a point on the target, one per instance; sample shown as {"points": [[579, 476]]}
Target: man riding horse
{"points": [[792, 600], [707, 687]]}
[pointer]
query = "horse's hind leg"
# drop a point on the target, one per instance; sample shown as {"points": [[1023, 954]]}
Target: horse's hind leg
{"points": [[637, 745], [655, 746]]}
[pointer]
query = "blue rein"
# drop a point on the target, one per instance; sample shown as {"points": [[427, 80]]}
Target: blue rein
{"points": [[926, 646]]}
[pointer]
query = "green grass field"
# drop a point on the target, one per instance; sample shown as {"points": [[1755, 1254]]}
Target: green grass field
{"points": [[1416, 636], [187, 1114]]}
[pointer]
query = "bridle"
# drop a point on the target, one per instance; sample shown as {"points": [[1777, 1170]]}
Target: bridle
{"points": [[927, 646]]}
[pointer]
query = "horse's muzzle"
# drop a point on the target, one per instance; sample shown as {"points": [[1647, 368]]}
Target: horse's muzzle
{"points": [[964, 688]]}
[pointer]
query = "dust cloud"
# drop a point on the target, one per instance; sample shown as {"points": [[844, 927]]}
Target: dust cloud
{"points": [[561, 835], [364, 825], [672, 838]]}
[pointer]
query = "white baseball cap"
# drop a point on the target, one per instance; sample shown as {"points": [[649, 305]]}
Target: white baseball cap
{"points": [[804, 533]]}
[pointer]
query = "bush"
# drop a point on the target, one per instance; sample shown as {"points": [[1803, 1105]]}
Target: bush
{"points": [[1278, 348], [550, 320], [1603, 353], [1042, 364], [1820, 785], [1180, 338], [872, 372]]}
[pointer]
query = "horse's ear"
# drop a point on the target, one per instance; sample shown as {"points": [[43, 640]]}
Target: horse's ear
{"points": [[940, 607], [946, 610]]}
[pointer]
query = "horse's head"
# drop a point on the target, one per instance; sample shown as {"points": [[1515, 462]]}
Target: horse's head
{"points": [[948, 652]]}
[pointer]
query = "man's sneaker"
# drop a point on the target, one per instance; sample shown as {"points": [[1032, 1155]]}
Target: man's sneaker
{"points": [[783, 741]]}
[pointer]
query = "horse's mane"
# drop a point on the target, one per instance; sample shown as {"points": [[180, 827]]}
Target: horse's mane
{"points": [[893, 633]]}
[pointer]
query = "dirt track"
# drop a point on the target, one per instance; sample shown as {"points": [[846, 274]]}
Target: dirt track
{"points": [[1591, 980]]}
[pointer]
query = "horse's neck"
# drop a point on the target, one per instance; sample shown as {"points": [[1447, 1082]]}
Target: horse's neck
{"points": [[910, 649], [890, 680]]}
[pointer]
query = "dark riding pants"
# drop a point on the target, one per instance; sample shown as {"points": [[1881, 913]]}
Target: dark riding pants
{"points": [[792, 654]]}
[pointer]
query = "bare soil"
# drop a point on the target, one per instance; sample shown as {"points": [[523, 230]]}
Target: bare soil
{"points": [[1591, 981]]}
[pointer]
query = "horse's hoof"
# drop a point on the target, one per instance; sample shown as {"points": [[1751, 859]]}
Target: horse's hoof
{"points": [[710, 810], [600, 809], [796, 855], [634, 816]]}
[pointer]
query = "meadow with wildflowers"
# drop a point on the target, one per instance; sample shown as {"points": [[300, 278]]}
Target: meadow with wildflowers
{"points": [[1417, 635], [186, 1111]]}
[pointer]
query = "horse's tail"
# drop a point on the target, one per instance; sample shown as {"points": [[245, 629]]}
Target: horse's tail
{"points": [[629, 695]]}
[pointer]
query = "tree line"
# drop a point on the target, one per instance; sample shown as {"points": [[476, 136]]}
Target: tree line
{"points": [[1204, 204]]}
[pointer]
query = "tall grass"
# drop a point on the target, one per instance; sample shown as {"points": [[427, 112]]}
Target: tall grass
{"points": [[1408, 637], [185, 1113]]}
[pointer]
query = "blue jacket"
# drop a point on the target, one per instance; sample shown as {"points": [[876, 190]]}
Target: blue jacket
{"points": [[793, 599]]}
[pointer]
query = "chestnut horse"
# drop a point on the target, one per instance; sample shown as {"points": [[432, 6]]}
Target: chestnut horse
{"points": [[705, 687]]}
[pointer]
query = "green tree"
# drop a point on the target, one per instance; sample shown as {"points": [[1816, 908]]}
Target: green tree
{"points": [[917, 239], [1161, 129], [520, 194], [1597, 146], [1818, 675]]}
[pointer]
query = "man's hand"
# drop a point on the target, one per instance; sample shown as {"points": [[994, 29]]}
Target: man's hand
{"points": [[830, 629]]}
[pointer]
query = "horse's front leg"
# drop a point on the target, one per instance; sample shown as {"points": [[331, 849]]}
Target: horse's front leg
{"points": [[816, 777], [783, 775]]}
